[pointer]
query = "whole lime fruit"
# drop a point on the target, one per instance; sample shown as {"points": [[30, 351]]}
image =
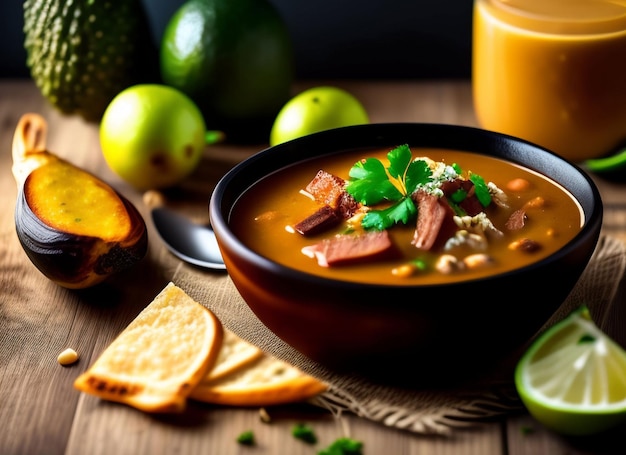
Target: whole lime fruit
{"points": [[234, 59], [317, 109], [152, 136]]}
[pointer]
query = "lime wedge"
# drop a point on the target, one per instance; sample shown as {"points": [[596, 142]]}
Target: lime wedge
{"points": [[572, 379]]}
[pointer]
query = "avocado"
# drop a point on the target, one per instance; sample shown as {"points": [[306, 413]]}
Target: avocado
{"points": [[234, 59], [82, 53]]}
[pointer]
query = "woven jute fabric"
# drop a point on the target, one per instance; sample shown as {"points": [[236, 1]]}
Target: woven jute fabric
{"points": [[436, 410]]}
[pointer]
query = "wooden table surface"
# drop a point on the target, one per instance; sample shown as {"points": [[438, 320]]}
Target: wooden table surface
{"points": [[40, 411]]}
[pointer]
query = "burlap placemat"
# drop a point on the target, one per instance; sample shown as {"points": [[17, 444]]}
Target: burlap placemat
{"points": [[426, 411]]}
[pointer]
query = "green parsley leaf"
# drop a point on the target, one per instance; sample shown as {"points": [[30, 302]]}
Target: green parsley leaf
{"points": [[418, 173], [481, 190], [403, 211], [399, 160], [304, 432], [370, 183], [458, 196], [246, 438], [408, 173], [343, 446]]}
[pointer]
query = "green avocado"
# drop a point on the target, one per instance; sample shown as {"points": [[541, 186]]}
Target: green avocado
{"points": [[234, 59], [81, 53]]}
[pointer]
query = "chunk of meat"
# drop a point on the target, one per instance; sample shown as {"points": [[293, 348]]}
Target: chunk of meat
{"points": [[434, 217], [326, 188], [348, 206], [329, 191], [471, 205], [350, 248], [449, 187], [325, 218]]}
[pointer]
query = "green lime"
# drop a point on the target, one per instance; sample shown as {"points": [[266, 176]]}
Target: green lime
{"points": [[234, 58], [572, 379], [317, 109], [152, 136]]}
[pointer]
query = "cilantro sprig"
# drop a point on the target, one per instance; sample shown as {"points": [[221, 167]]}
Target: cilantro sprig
{"points": [[481, 189], [372, 183]]}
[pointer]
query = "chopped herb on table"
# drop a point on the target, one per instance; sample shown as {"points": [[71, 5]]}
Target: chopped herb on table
{"points": [[343, 446], [304, 432], [246, 438]]}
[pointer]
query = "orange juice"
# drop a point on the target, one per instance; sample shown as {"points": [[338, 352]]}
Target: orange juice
{"points": [[552, 72]]}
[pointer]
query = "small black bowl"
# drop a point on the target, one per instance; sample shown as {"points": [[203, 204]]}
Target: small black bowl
{"points": [[415, 334]]}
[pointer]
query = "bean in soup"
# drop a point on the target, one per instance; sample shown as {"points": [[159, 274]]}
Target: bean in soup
{"points": [[403, 216]]}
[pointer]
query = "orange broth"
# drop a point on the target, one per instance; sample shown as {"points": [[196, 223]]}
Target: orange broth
{"points": [[262, 214]]}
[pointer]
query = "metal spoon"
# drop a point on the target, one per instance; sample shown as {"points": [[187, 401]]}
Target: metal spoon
{"points": [[186, 240]]}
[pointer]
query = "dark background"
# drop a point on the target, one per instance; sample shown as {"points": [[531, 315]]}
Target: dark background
{"points": [[406, 39]]}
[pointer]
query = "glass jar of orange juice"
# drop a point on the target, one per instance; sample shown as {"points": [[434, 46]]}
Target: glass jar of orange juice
{"points": [[552, 72]]}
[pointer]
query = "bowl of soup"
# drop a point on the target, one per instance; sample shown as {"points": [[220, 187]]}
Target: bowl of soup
{"points": [[408, 251]]}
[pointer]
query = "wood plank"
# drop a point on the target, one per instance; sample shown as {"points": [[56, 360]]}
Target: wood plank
{"points": [[207, 429], [527, 437]]}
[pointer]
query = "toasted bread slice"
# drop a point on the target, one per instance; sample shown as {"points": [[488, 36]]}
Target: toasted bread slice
{"points": [[266, 381], [157, 360], [235, 353]]}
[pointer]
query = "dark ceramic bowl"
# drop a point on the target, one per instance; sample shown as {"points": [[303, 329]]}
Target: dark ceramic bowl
{"points": [[441, 330]]}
